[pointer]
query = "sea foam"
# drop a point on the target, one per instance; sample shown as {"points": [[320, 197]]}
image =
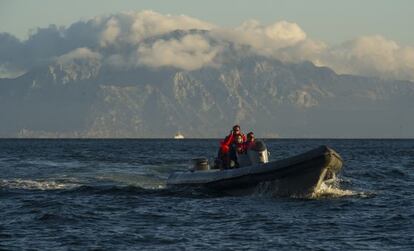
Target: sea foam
{"points": [[36, 184]]}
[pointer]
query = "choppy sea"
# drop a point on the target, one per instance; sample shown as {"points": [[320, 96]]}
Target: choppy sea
{"points": [[111, 195]]}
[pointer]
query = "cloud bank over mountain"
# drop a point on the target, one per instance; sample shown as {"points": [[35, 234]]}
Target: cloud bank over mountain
{"points": [[144, 74], [189, 53], [133, 39]]}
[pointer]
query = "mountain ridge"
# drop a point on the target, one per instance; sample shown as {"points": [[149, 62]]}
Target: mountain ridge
{"points": [[86, 98]]}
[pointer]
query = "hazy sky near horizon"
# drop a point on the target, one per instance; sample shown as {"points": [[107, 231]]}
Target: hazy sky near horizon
{"points": [[331, 21]]}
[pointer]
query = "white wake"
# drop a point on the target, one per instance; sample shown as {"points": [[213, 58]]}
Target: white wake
{"points": [[28, 184]]}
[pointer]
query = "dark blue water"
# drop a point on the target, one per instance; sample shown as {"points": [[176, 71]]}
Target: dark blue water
{"points": [[111, 195]]}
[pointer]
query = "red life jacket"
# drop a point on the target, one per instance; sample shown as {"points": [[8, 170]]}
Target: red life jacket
{"points": [[226, 143], [224, 148]]}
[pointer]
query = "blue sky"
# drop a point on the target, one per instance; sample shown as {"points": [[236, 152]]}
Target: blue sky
{"points": [[327, 20]]}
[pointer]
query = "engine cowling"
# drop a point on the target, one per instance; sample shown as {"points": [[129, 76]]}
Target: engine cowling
{"points": [[258, 154]]}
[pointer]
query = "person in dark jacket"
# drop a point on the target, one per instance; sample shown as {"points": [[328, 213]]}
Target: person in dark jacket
{"points": [[250, 143]]}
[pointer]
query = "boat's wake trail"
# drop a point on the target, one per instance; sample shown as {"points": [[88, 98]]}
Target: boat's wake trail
{"points": [[148, 182], [28, 184]]}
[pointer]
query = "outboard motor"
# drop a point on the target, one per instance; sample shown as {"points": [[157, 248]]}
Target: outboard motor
{"points": [[199, 164], [259, 154]]}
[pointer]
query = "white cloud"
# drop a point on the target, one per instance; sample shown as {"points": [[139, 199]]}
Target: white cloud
{"points": [[80, 53], [129, 39], [189, 53], [263, 39], [307, 50], [367, 55], [150, 23], [79, 64], [285, 32], [133, 27], [111, 32], [371, 56], [10, 71]]}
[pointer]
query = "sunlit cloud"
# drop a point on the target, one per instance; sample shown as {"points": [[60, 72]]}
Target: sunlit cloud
{"points": [[263, 39], [134, 39], [189, 53], [80, 53], [133, 27], [371, 56]]}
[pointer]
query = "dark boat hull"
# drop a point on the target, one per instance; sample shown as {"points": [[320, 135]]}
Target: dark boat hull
{"points": [[297, 175]]}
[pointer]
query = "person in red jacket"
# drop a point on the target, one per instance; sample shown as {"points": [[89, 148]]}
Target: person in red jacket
{"points": [[230, 139], [225, 154]]}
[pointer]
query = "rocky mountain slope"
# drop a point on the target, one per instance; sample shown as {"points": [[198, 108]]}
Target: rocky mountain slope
{"points": [[86, 98]]}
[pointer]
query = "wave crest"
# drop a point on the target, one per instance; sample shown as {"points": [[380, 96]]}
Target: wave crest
{"points": [[332, 189]]}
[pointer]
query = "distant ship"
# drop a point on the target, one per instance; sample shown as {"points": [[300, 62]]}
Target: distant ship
{"points": [[178, 136]]}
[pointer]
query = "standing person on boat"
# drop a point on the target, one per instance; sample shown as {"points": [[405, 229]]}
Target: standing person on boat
{"points": [[225, 145]]}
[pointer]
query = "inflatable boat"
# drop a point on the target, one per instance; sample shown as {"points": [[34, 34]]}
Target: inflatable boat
{"points": [[297, 175]]}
